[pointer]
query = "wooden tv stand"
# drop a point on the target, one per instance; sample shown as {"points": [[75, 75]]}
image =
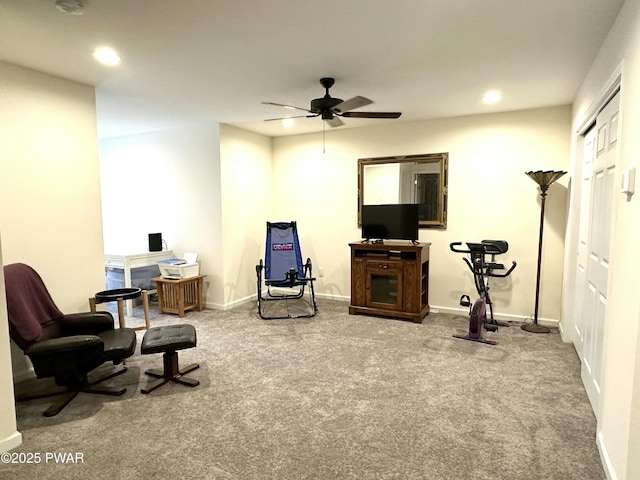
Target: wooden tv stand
{"points": [[390, 279]]}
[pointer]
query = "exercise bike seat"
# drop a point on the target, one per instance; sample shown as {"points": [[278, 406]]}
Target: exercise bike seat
{"points": [[495, 247]]}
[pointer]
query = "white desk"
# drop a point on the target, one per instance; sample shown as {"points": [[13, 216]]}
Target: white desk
{"points": [[130, 261]]}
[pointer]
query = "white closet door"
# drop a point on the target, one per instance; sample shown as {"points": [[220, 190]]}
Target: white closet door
{"points": [[597, 248], [583, 240]]}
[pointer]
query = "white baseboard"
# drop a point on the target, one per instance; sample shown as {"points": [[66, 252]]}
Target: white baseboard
{"points": [[230, 305], [11, 442], [563, 335], [330, 296], [605, 458], [254, 298], [548, 322]]}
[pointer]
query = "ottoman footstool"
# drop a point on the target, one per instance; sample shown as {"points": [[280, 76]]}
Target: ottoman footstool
{"points": [[168, 340]]}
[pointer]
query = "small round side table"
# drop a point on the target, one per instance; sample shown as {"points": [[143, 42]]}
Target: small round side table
{"points": [[120, 295]]}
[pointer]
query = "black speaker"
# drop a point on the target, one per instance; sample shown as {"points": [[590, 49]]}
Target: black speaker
{"points": [[155, 242]]}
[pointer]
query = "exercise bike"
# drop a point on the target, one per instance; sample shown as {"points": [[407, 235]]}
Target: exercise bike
{"points": [[482, 270]]}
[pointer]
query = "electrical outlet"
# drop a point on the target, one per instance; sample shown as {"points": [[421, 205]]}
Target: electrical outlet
{"points": [[321, 271]]}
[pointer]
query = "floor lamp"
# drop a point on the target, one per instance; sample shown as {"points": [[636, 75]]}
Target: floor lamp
{"points": [[544, 179]]}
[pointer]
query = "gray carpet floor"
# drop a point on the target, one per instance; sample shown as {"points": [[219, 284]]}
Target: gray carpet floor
{"points": [[336, 396]]}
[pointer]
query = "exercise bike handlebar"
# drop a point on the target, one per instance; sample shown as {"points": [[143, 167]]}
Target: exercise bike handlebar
{"points": [[502, 275], [487, 247], [454, 247]]}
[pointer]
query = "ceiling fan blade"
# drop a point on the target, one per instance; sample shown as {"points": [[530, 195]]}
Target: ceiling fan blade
{"points": [[351, 104], [285, 118], [372, 114], [334, 122], [286, 106]]}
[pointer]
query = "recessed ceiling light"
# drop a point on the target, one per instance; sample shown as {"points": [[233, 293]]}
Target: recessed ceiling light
{"points": [[288, 122], [492, 96], [107, 56]]}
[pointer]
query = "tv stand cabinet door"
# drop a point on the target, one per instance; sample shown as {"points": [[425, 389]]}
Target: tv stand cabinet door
{"points": [[384, 282]]}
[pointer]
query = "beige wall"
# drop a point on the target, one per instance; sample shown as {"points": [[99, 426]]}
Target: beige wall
{"points": [[246, 206], [167, 182], [619, 426], [49, 184], [490, 197]]}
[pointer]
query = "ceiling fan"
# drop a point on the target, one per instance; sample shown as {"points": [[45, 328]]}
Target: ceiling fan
{"points": [[331, 109]]}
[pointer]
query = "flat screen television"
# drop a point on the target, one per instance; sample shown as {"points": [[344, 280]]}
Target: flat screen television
{"points": [[392, 221]]}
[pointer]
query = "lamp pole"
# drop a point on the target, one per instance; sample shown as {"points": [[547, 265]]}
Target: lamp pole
{"points": [[544, 179]]}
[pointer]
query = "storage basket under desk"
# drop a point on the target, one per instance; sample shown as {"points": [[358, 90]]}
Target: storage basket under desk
{"points": [[179, 295]]}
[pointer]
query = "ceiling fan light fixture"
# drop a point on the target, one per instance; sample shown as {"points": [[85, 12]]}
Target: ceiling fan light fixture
{"points": [[492, 96]]}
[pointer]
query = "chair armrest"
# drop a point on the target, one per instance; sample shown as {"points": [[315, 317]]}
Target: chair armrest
{"points": [[64, 344], [86, 323]]}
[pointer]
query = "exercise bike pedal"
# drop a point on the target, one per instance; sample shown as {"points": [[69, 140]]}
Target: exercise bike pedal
{"points": [[465, 301], [490, 327]]}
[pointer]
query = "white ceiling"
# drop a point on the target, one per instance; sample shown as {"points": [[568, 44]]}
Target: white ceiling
{"points": [[191, 61]]}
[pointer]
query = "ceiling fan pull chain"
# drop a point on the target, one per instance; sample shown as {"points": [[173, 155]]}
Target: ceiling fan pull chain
{"points": [[324, 129]]}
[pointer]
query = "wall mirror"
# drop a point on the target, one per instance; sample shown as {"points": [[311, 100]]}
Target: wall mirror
{"points": [[420, 179]]}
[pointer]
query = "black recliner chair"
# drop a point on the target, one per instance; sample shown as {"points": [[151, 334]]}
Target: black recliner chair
{"points": [[65, 347]]}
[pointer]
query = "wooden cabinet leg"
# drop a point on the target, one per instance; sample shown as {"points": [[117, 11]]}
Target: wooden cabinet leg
{"points": [[145, 304], [181, 299], [160, 293], [199, 295], [121, 312]]}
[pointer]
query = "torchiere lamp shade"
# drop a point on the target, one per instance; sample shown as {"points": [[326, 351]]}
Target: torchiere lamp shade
{"points": [[544, 178]]}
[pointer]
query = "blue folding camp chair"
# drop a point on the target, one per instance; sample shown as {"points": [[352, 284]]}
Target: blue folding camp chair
{"points": [[283, 268]]}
